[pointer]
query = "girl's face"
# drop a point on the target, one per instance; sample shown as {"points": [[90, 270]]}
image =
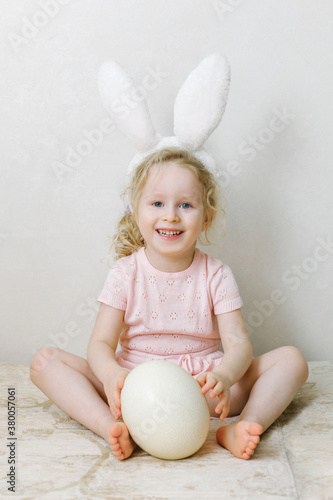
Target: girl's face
{"points": [[170, 216]]}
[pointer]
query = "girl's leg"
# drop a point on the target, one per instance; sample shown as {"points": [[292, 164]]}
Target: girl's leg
{"points": [[68, 381], [260, 396]]}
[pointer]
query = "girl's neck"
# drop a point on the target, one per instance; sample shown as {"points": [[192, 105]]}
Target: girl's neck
{"points": [[169, 264]]}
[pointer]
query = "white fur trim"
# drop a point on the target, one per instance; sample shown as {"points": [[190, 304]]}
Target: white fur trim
{"points": [[199, 106], [201, 101], [117, 90], [172, 142]]}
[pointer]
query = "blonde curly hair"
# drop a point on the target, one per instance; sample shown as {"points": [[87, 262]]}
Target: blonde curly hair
{"points": [[128, 238]]}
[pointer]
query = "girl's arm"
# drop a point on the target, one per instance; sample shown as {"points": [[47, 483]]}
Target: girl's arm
{"points": [[101, 354], [104, 340], [236, 347], [236, 360]]}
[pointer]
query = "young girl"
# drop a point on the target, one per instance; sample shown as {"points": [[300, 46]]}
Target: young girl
{"points": [[165, 299]]}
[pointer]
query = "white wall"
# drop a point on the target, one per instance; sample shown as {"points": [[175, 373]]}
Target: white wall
{"points": [[54, 229]]}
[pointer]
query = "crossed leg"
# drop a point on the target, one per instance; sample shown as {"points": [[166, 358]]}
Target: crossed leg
{"points": [[260, 396], [69, 382]]}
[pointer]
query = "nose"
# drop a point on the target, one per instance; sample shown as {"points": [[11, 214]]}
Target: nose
{"points": [[170, 215]]}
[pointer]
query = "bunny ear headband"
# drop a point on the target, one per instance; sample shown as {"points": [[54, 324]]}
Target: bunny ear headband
{"points": [[199, 107]]}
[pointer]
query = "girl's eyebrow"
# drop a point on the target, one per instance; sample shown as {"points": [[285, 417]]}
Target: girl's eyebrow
{"points": [[185, 196]]}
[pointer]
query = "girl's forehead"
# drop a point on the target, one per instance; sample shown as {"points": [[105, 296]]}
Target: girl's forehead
{"points": [[169, 174]]}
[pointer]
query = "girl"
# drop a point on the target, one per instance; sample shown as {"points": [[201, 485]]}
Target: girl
{"points": [[165, 299]]}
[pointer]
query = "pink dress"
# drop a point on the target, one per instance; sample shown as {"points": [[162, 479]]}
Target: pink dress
{"points": [[171, 316]]}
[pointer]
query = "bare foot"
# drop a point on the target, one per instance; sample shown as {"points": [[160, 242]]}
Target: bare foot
{"points": [[122, 445], [241, 438]]}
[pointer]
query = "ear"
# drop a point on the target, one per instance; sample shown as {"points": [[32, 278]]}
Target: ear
{"points": [[201, 101], [127, 105]]}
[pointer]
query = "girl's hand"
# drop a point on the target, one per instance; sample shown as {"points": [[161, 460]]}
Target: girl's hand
{"points": [[113, 389], [219, 388]]}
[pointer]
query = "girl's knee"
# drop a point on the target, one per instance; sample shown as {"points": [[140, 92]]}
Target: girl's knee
{"points": [[41, 360], [295, 359]]}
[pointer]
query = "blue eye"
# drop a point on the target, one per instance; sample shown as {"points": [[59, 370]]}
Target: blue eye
{"points": [[157, 204], [185, 205]]}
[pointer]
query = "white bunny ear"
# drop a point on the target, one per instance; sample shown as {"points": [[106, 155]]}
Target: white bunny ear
{"points": [[127, 105], [201, 101]]}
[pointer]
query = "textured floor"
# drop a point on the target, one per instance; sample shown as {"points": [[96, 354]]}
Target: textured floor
{"points": [[59, 459]]}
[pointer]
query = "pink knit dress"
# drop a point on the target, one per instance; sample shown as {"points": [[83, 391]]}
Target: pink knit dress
{"points": [[171, 316]]}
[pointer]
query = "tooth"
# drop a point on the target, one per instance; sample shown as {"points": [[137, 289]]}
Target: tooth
{"points": [[169, 233]]}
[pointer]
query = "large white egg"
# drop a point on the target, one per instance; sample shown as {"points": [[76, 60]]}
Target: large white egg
{"points": [[164, 409]]}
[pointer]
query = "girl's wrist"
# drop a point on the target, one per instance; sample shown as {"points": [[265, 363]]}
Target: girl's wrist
{"points": [[109, 371], [231, 370], [221, 373]]}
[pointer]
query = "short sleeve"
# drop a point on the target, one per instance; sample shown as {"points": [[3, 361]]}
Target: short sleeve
{"points": [[114, 290], [224, 291]]}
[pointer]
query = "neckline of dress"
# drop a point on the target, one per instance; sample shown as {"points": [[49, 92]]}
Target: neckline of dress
{"points": [[165, 274]]}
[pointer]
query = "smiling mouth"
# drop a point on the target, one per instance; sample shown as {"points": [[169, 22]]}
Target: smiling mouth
{"points": [[169, 233]]}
